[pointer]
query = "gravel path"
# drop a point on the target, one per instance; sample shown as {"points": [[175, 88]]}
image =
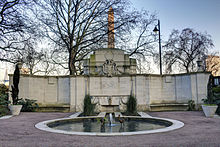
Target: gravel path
{"points": [[199, 131]]}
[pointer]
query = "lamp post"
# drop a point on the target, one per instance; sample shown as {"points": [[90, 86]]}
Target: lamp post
{"points": [[158, 30], [199, 65]]}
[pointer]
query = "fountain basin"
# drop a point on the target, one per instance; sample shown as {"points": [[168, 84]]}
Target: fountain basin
{"points": [[91, 126]]}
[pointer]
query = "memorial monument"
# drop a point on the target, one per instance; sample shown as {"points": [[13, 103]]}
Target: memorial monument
{"points": [[110, 78], [110, 61]]}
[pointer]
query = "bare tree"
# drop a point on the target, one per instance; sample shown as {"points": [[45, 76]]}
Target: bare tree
{"points": [[78, 27], [185, 48], [213, 64], [30, 56], [10, 17], [142, 43], [13, 27], [143, 38]]}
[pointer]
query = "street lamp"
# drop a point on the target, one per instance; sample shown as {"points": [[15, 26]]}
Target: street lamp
{"points": [[158, 30], [199, 65]]}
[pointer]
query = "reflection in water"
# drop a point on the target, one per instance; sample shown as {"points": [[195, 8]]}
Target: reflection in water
{"points": [[93, 125], [102, 128], [132, 126], [121, 129], [87, 125]]}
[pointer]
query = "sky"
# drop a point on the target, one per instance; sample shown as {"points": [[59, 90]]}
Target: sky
{"points": [[200, 15]]}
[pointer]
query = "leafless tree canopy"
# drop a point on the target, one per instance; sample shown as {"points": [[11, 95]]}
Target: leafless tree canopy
{"points": [[78, 27], [10, 17], [13, 28], [184, 48], [74, 29]]}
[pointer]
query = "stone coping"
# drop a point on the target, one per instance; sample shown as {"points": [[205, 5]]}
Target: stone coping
{"points": [[143, 114], [102, 114], [175, 125], [75, 115], [6, 117], [123, 75]]}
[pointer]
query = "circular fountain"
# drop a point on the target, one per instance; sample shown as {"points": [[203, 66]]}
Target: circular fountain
{"points": [[131, 125]]}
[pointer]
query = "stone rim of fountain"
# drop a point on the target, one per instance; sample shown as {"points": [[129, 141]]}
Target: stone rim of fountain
{"points": [[175, 125]]}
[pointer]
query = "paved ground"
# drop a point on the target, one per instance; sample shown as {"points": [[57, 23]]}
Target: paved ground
{"points": [[19, 131]]}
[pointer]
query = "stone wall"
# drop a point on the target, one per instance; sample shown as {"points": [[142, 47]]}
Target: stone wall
{"points": [[110, 93]]}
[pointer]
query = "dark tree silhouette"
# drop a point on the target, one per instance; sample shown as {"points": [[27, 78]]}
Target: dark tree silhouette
{"points": [[13, 27], [185, 48], [15, 88]]}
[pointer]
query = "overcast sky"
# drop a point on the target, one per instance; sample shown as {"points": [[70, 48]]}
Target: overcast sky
{"points": [[201, 15]]}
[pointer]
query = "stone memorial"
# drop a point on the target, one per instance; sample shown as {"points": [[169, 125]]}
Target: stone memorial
{"points": [[109, 61], [110, 78]]}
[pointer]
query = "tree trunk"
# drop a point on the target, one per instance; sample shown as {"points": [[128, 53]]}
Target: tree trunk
{"points": [[72, 67], [187, 69]]}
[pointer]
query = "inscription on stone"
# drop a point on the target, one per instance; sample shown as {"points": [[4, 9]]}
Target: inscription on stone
{"points": [[109, 86], [125, 86]]}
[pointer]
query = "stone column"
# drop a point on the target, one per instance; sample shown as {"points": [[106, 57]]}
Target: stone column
{"points": [[111, 35]]}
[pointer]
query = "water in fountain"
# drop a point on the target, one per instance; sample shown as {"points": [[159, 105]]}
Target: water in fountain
{"points": [[130, 124], [111, 120]]}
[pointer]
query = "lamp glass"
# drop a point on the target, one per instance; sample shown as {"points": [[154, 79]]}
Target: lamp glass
{"points": [[155, 30]]}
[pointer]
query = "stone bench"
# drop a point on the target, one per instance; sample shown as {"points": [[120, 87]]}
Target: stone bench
{"points": [[53, 108], [169, 107]]}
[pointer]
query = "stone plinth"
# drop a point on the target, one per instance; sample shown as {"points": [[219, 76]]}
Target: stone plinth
{"points": [[109, 62]]}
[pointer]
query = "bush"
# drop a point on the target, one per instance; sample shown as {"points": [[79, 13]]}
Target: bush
{"points": [[3, 89], [4, 100], [14, 87], [28, 105], [131, 106], [191, 105], [213, 95], [3, 110], [216, 89], [211, 99], [88, 108]]}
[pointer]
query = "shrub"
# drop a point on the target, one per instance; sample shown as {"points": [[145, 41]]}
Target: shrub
{"points": [[88, 108], [4, 100], [3, 95], [14, 87], [131, 106], [216, 89], [213, 95], [3, 110], [3, 90], [211, 99], [28, 105], [191, 105]]}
